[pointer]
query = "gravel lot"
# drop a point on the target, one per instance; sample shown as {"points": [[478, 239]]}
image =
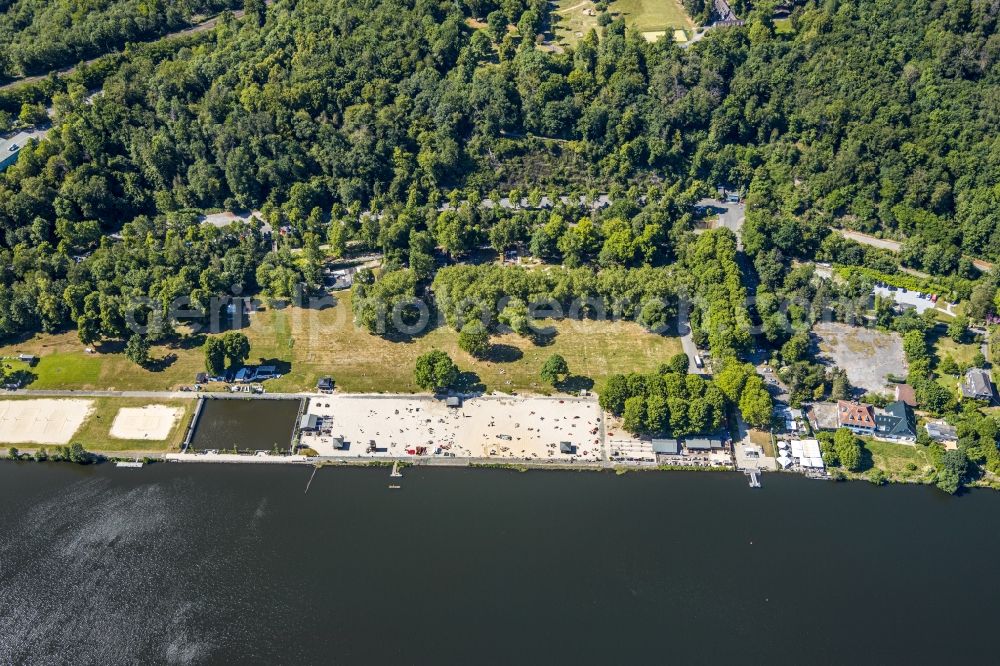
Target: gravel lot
{"points": [[868, 356]]}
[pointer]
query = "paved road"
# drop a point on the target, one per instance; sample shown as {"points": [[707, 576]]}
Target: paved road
{"points": [[687, 341], [729, 215], [895, 246], [154, 395]]}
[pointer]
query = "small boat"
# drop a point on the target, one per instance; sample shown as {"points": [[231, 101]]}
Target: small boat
{"points": [[394, 487]]}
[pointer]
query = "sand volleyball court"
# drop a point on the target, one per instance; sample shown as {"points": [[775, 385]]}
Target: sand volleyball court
{"points": [[42, 421], [153, 422]]}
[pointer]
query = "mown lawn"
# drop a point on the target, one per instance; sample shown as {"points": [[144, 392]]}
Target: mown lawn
{"points": [[783, 27], [962, 353], [651, 15], [94, 433], [308, 344], [63, 364], [896, 459], [572, 17]]}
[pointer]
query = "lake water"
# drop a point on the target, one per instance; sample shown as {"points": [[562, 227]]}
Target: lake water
{"points": [[192, 564]]}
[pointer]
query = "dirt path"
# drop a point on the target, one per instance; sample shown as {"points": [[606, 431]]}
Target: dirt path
{"points": [[567, 10]]}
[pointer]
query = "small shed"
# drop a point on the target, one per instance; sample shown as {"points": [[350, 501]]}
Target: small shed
{"points": [[309, 422], [30, 359], [325, 384], [454, 402], [201, 378], [567, 447], [339, 443]]}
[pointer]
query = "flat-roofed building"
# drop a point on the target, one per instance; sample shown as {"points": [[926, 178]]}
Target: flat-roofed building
{"points": [[666, 447]]}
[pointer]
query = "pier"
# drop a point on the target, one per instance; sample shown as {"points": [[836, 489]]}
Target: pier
{"points": [[395, 470], [754, 476], [194, 424]]}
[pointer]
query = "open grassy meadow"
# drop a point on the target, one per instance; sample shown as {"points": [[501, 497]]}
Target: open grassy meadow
{"points": [[900, 462], [308, 344], [64, 364], [318, 343], [577, 17], [963, 353], [653, 15]]}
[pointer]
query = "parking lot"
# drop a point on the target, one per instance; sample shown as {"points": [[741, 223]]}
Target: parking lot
{"points": [[920, 302]]}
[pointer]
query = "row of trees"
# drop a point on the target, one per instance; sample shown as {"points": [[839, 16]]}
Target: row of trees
{"points": [[513, 296], [667, 401]]}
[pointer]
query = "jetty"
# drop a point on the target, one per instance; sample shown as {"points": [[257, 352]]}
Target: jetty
{"points": [[754, 476], [193, 426], [131, 464], [395, 470]]}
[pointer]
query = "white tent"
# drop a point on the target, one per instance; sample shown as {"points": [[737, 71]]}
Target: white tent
{"points": [[784, 461]]}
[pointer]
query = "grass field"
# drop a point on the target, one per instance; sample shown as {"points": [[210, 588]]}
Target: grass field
{"points": [[319, 343], [962, 353], [93, 435], [577, 17], [783, 27], [63, 364], [308, 344], [653, 15], [896, 459]]}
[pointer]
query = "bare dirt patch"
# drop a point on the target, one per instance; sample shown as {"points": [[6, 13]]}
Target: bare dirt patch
{"points": [[868, 356]]}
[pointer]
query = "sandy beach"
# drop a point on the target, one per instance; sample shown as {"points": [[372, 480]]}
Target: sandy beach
{"points": [[483, 427]]}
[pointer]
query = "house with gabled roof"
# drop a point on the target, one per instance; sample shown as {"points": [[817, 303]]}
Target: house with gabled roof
{"points": [[896, 422], [857, 417]]}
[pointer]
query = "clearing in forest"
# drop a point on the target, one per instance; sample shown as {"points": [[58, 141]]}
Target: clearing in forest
{"points": [[653, 18]]}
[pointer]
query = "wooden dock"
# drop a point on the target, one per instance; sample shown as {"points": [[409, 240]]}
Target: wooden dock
{"points": [[754, 477]]}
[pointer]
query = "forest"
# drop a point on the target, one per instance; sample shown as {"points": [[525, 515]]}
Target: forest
{"points": [[40, 35], [344, 129]]}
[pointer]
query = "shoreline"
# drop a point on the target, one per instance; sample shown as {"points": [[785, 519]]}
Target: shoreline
{"points": [[598, 460]]}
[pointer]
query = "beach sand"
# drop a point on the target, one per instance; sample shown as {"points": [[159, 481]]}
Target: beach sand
{"points": [[42, 421], [153, 422], [483, 427]]}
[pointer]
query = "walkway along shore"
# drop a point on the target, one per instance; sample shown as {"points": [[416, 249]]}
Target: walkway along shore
{"points": [[598, 460]]}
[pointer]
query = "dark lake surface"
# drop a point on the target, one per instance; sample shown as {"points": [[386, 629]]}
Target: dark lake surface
{"points": [[220, 564], [247, 425]]}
